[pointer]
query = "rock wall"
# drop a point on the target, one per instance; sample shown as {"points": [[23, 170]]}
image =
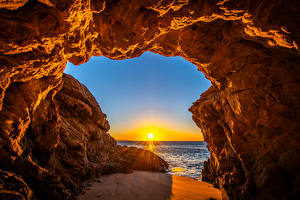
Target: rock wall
{"points": [[249, 50], [251, 127], [64, 141]]}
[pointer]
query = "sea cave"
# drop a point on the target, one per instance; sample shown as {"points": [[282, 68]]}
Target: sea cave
{"points": [[249, 117]]}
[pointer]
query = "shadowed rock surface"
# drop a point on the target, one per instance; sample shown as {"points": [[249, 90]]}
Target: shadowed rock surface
{"points": [[65, 143], [13, 187], [249, 50], [141, 159]]}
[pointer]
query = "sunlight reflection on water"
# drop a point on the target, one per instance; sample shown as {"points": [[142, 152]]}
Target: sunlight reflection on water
{"points": [[149, 146], [184, 158]]}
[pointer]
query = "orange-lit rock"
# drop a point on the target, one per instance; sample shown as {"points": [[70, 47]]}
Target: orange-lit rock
{"points": [[61, 141], [249, 50], [13, 187]]}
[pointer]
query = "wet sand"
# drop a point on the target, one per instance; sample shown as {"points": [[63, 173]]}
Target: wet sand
{"points": [[142, 185]]}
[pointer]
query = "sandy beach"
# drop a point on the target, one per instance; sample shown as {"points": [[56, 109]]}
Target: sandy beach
{"points": [[142, 185]]}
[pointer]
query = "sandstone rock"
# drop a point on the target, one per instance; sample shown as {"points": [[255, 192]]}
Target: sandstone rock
{"points": [[13, 187], [249, 117], [65, 140]]}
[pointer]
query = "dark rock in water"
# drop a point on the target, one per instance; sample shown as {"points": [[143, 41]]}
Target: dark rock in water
{"points": [[140, 159], [249, 50]]}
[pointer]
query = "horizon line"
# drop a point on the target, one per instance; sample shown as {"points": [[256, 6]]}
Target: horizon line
{"points": [[162, 140]]}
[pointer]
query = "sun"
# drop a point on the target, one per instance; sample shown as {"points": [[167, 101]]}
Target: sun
{"points": [[150, 136]]}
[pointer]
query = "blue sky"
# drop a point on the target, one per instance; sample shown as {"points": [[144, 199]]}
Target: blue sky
{"points": [[151, 90]]}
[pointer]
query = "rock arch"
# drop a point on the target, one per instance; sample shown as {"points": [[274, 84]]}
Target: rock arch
{"points": [[248, 50]]}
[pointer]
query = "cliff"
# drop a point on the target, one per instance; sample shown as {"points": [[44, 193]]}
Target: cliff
{"points": [[249, 50], [65, 142]]}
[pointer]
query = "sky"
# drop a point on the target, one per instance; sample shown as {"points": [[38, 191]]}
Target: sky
{"points": [[148, 94]]}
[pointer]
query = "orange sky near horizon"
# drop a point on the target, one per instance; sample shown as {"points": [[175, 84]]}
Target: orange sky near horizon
{"points": [[160, 134], [163, 129]]}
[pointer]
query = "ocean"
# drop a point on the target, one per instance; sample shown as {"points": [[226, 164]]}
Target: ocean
{"points": [[185, 158]]}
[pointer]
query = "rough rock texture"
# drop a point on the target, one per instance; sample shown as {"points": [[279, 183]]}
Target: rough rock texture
{"points": [[13, 187], [141, 159], [65, 142], [249, 50]]}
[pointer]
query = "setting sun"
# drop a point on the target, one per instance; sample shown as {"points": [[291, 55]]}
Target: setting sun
{"points": [[150, 136]]}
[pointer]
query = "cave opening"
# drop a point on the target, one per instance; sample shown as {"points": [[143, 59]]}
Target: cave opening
{"points": [[53, 135], [150, 94]]}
